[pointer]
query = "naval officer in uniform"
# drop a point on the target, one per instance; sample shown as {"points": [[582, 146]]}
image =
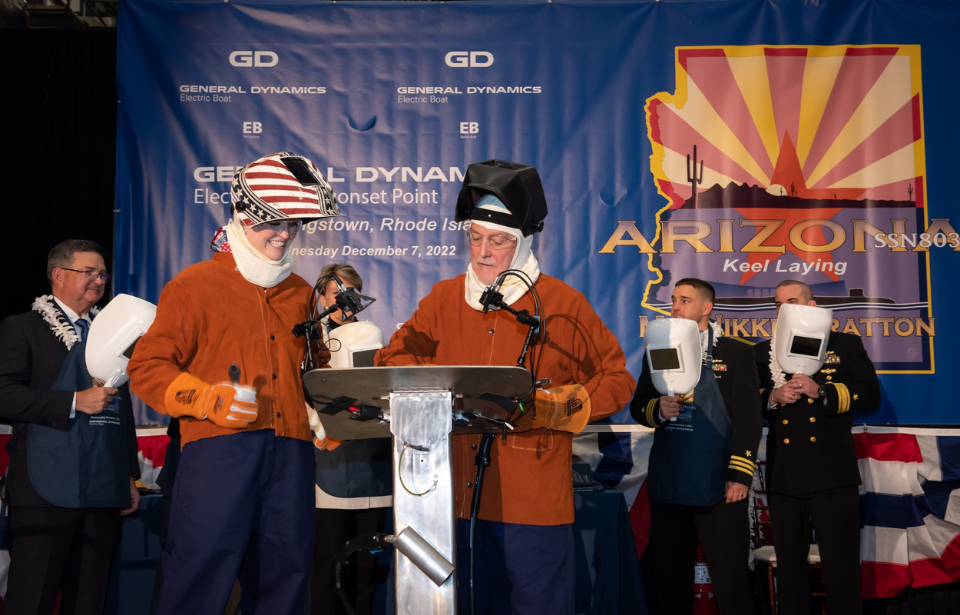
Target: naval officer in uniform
{"points": [[702, 463], [812, 471]]}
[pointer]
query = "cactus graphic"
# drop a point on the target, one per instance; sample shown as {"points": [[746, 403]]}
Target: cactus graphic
{"points": [[793, 189], [909, 192], [692, 175]]}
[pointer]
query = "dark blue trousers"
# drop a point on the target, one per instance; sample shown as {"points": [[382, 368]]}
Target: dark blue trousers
{"points": [[835, 514], [243, 507], [520, 569], [724, 531]]}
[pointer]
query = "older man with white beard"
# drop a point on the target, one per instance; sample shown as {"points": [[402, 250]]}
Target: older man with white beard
{"points": [[524, 537]]}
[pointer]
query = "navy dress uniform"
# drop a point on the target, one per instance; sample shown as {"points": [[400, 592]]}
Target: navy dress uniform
{"points": [[712, 442], [812, 474]]}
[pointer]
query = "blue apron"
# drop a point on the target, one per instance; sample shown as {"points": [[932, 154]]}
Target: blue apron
{"points": [[85, 466], [357, 468], [690, 455]]}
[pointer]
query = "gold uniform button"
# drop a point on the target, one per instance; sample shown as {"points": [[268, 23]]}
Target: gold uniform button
{"points": [[785, 421], [813, 439], [829, 377], [813, 419], [786, 440], [809, 400]]}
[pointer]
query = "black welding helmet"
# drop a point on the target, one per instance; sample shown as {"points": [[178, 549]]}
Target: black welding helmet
{"points": [[516, 185]]}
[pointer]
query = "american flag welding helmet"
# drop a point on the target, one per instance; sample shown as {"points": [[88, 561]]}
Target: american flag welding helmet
{"points": [[279, 187]]}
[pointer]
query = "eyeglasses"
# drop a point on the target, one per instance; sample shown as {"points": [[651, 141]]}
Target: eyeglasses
{"points": [[496, 242], [291, 226], [90, 274]]}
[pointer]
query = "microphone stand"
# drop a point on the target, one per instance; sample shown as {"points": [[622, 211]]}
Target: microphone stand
{"points": [[306, 326], [492, 297], [483, 461], [348, 300]]}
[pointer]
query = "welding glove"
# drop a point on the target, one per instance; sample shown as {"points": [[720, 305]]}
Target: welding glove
{"points": [[320, 438], [227, 405], [565, 408]]}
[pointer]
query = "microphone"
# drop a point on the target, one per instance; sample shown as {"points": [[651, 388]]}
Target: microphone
{"points": [[348, 300], [352, 302], [492, 297]]}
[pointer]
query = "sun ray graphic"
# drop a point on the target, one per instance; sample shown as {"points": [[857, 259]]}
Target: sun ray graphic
{"points": [[807, 132]]}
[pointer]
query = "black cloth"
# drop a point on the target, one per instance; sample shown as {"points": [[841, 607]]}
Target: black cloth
{"points": [[334, 528], [31, 356], [165, 480], [809, 446], [812, 475], [69, 548], [722, 528]]}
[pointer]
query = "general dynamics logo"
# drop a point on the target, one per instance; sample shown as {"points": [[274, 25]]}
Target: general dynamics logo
{"points": [[469, 59], [251, 59]]}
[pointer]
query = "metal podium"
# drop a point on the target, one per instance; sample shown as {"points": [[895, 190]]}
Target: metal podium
{"points": [[421, 407]]}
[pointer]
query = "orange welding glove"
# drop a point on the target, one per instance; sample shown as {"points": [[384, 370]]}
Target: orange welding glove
{"points": [[225, 404], [321, 440], [327, 444], [565, 408]]}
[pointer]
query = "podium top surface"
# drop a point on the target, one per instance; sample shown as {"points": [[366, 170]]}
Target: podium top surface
{"points": [[373, 386]]}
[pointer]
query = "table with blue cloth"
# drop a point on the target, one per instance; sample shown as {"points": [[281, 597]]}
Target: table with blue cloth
{"points": [[608, 569]]}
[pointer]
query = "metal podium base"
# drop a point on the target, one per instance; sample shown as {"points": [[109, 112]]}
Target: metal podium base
{"points": [[423, 401], [423, 495]]}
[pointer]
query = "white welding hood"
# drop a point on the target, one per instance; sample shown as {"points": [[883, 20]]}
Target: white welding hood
{"points": [[674, 355], [800, 342], [113, 334], [354, 344]]}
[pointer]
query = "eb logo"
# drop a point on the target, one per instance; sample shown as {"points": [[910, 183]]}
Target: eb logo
{"points": [[469, 128], [252, 128]]}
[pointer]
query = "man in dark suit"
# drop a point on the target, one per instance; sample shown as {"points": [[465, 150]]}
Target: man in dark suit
{"points": [[73, 454], [812, 472], [702, 463]]}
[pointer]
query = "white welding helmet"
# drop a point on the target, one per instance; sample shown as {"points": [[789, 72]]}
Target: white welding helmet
{"points": [[354, 344], [674, 354], [800, 342], [113, 335]]}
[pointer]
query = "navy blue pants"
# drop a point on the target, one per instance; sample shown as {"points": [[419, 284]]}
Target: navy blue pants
{"points": [[724, 531], [835, 514], [520, 569], [243, 507]]}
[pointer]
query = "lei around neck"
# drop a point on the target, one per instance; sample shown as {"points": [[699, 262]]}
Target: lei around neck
{"points": [[59, 324]]}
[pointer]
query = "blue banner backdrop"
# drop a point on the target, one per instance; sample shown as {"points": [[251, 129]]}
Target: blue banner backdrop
{"points": [[743, 142]]}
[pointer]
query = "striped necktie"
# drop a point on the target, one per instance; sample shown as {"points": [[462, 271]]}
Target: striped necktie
{"points": [[84, 328]]}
